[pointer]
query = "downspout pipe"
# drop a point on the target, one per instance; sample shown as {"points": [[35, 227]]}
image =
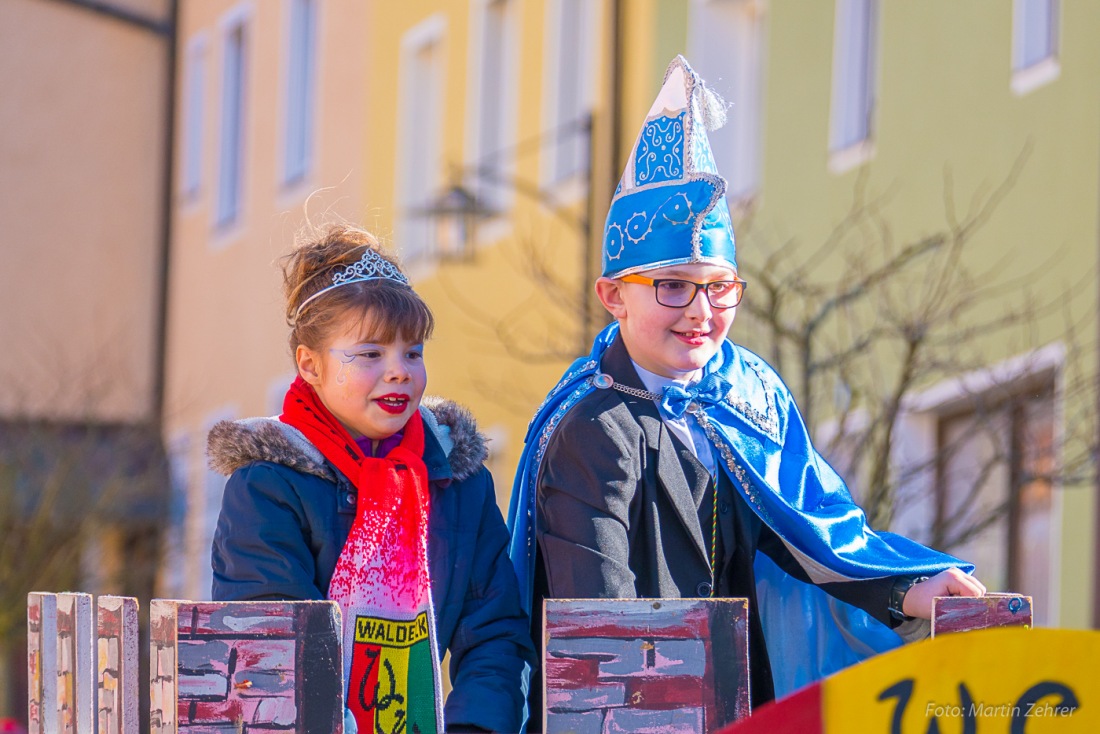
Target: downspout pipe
{"points": [[1096, 469], [160, 348]]}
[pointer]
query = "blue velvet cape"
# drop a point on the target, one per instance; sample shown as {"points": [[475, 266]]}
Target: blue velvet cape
{"points": [[765, 448]]}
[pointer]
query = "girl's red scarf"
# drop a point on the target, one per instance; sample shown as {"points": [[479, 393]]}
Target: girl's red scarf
{"points": [[381, 580], [303, 409]]}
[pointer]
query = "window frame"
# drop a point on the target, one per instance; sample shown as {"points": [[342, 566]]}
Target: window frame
{"points": [[568, 186], [193, 117], [743, 135], [845, 154], [918, 449], [228, 216], [1029, 76], [413, 228], [489, 172], [300, 88]]}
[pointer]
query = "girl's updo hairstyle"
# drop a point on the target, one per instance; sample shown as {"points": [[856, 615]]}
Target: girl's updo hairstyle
{"points": [[392, 307]]}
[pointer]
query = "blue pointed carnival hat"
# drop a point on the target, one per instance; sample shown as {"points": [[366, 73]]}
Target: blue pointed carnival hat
{"points": [[670, 206]]}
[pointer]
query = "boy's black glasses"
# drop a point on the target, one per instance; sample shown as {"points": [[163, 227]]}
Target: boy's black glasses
{"points": [[680, 293]]}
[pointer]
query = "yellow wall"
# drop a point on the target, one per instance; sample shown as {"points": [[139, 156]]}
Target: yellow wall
{"points": [[504, 335], [503, 338]]}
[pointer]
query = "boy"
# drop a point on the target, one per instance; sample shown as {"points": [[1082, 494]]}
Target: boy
{"points": [[673, 463]]}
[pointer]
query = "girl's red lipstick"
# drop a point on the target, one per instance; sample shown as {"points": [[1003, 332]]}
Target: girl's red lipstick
{"points": [[393, 403]]}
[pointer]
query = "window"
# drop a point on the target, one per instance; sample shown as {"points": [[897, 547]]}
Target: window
{"points": [[193, 109], [493, 154], [1034, 43], [979, 462], [419, 131], [230, 154], [727, 49], [854, 79], [570, 69], [994, 482], [301, 61]]}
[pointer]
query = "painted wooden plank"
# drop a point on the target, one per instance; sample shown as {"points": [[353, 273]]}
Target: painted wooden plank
{"points": [[961, 614], [254, 665], [117, 667], [162, 666], [76, 681], [663, 666], [42, 663]]}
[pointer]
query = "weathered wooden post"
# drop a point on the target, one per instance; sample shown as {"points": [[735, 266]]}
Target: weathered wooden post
{"points": [[76, 681], [117, 669], [42, 663]]}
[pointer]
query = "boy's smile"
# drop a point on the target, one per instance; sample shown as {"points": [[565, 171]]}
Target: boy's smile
{"points": [[672, 342]]}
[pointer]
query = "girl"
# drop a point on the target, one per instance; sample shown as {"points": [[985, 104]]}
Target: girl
{"points": [[360, 494]]}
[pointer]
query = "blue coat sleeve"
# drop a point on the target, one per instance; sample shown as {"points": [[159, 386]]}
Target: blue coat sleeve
{"points": [[491, 648], [261, 546]]}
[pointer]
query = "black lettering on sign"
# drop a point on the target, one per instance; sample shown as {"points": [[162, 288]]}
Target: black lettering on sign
{"points": [[1028, 705], [902, 691]]}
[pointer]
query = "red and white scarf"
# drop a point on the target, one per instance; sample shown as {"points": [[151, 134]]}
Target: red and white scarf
{"points": [[381, 581]]}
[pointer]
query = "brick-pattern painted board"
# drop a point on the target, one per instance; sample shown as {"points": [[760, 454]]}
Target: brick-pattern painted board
{"points": [[961, 614], [41, 663], [246, 667], [76, 682], [117, 668], [666, 666]]}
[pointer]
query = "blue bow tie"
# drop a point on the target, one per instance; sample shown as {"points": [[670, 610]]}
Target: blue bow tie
{"points": [[675, 399]]}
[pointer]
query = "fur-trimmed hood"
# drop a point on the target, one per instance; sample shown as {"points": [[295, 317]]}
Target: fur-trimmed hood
{"points": [[233, 444]]}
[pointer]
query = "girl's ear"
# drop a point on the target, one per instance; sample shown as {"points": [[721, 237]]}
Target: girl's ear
{"points": [[310, 366], [610, 293]]}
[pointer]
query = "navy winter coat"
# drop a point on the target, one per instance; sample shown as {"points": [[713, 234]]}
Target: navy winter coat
{"points": [[286, 514]]}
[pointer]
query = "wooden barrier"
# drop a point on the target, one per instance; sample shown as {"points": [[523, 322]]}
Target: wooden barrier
{"points": [[214, 666], [611, 665], [675, 666], [117, 668], [42, 663], [245, 666], [76, 677]]}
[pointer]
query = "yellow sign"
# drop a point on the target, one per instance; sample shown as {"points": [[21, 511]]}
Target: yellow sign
{"points": [[1010, 680]]}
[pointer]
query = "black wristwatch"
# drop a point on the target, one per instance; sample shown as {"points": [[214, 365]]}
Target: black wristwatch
{"points": [[897, 595]]}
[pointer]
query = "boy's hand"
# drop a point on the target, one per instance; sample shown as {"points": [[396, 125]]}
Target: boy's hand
{"points": [[952, 582]]}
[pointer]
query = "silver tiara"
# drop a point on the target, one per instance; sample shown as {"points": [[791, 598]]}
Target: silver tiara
{"points": [[371, 266]]}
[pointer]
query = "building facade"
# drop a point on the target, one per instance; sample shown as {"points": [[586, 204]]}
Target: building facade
{"points": [[270, 117], [939, 157], [916, 188]]}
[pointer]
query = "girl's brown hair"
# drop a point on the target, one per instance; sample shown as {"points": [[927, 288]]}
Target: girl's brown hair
{"points": [[392, 307]]}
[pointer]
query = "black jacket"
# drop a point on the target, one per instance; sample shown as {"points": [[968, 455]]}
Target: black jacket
{"points": [[625, 511]]}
